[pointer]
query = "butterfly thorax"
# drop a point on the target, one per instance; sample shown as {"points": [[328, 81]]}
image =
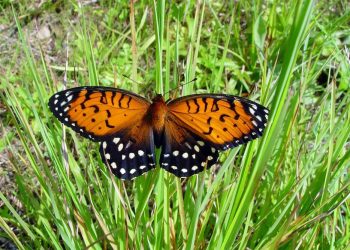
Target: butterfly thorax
{"points": [[157, 113]]}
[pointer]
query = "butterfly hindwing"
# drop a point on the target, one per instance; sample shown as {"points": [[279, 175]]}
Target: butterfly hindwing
{"points": [[129, 153], [224, 120], [183, 153], [97, 112]]}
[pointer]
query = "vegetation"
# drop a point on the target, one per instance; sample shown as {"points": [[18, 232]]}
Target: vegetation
{"points": [[287, 190]]}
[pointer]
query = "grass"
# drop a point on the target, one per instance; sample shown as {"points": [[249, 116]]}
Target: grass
{"points": [[287, 190]]}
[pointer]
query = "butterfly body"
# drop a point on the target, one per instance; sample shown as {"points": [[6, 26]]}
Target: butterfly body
{"points": [[156, 115], [190, 130]]}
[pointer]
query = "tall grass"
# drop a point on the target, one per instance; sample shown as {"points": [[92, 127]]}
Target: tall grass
{"points": [[288, 189]]}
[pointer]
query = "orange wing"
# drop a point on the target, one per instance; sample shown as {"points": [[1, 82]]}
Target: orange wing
{"points": [[115, 118], [223, 120], [97, 112], [197, 126]]}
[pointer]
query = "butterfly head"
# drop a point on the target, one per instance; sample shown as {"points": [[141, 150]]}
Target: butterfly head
{"points": [[158, 99]]}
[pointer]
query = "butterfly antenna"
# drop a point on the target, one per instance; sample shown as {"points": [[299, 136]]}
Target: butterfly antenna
{"points": [[131, 79], [180, 85]]}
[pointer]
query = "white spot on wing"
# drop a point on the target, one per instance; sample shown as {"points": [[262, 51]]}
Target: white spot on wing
{"points": [[104, 145], [55, 102], [132, 171], [122, 171], [176, 153], [184, 170], [123, 157], [120, 147], [116, 140], [140, 152], [114, 165], [258, 117], [108, 156], [194, 168], [210, 157], [142, 166], [185, 155], [131, 155], [166, 155], [196, 148], [252, 111], [174, 167], [128, 144], [69, 98], [201, 143]]}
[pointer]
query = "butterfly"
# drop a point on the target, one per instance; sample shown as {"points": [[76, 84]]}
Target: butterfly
{"points": [[190, 130]]}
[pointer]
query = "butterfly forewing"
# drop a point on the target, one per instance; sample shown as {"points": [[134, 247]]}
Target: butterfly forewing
{"points": [[97, 112], [223, 120]]}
